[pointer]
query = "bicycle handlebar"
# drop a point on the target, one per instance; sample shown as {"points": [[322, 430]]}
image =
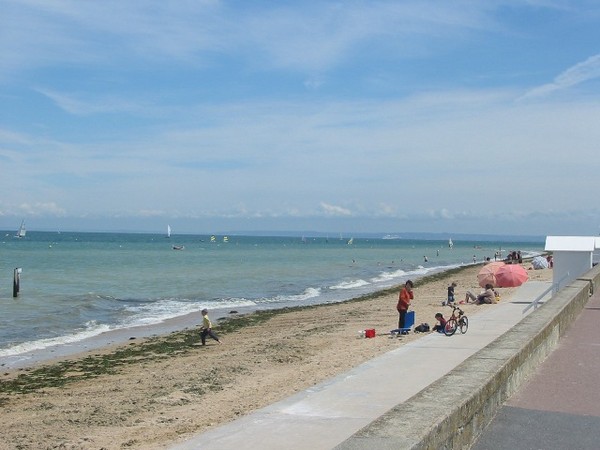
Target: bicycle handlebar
{"points": [[454, 308]]}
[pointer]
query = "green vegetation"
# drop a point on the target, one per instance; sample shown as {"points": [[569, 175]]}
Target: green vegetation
{"points": [[64, 372]]}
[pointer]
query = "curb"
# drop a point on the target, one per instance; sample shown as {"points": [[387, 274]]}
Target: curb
{"points": [[453, 411]]}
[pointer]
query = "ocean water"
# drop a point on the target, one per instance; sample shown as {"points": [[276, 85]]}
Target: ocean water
{"points": [[78, 285]]}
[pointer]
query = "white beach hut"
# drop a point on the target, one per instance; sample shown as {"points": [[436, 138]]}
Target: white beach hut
{"points": [[572, 255]]}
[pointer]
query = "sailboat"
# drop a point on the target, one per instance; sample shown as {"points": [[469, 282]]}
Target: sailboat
{"points": [[351, 241], [22, 231], [450, 243], [168, 231]]}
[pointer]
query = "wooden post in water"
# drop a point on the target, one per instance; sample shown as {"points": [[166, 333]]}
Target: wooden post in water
{"points": [[17, 281]]}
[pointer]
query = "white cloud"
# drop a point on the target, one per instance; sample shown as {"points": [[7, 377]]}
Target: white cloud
{"points": [[310, 37], [411, 156], [11, 137], [152, 213], [41, 209], [45, 33], [76, 105], [579, 73], [333, 210]]}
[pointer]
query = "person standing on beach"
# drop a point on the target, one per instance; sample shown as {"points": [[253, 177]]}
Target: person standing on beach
{"points": [[406, 295], [451, 293], [207, 328]]}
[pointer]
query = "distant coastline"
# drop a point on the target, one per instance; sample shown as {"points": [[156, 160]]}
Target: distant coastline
{"points": [[401, 235]]}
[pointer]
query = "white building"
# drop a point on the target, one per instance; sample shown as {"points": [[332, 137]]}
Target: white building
{"points": [[573, 256]]}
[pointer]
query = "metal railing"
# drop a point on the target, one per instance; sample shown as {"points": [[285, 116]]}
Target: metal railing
{"points": [[554, 288]]}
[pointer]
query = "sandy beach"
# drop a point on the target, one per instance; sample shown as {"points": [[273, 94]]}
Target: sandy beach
{"points": [[152, 393]]}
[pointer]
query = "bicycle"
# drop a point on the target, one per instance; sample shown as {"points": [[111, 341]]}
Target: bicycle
{"points": [[455, 322]]}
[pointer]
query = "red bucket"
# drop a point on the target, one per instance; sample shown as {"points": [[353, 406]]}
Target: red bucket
{"points": [[370, 333]]}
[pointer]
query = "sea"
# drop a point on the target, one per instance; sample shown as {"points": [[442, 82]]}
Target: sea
{"points": [[76, 286]]}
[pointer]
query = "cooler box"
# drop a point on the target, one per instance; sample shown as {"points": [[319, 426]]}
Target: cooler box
{"points": [[370, 333], [409, 320]]}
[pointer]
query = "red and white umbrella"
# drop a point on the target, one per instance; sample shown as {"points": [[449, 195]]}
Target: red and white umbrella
{"points": [[511, 275], [487, 274]]}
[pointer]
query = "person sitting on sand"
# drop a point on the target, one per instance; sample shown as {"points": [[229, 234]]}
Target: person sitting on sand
{"points": [[488, 296], [439, 327], [207, 328]]}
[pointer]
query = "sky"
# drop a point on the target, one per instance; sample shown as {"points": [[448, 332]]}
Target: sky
{"points": [[333, 116]]}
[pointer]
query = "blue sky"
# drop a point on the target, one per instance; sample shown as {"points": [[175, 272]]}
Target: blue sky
{"points": [[348, 116]]}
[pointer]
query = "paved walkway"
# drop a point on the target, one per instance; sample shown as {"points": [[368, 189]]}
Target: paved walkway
{"points": [[327, 414], [559, 406]]}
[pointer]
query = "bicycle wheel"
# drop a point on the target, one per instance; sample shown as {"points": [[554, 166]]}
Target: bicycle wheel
{"points": [[463, 324], [450, 327]]}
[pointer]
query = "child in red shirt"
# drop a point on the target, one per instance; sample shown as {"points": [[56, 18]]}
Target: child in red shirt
{"points": [[439, 327]]}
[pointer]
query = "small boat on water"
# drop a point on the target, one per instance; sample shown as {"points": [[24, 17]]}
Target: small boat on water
{"points": [[22, 231], [178, 247]]}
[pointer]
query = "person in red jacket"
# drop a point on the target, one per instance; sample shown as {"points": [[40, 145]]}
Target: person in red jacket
{"points": [[406, 295]]}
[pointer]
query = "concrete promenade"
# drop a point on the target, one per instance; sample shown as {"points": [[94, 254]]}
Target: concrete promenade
{"points": [[344, 412], [558, 407], [454, 411]]}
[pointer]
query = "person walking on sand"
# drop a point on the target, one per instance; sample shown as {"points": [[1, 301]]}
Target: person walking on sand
{"points": [[207, 328], [406, 295]]}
